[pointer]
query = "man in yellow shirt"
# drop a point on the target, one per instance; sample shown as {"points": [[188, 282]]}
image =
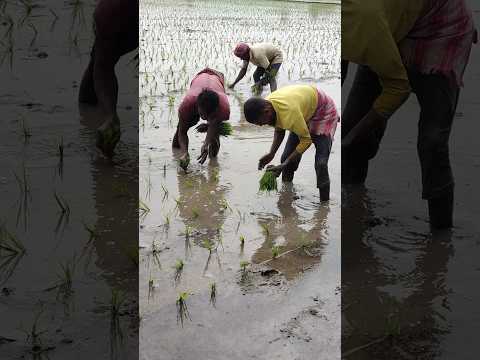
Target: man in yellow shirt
{"points": [[267, 57], [400, 46], [311, 117]]}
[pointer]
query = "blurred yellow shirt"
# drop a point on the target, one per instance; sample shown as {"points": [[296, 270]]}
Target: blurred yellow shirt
{"points": [[371, 31], [294, 106]]}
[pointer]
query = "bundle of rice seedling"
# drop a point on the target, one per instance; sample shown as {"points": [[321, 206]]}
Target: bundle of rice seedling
{"points": [[225, 129], [183, 163], [268, 182]]}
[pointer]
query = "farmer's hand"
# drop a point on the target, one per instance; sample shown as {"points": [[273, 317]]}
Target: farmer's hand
{"points": [[202, 128], [185, 157], [264, 160], [203, 154], [276, 170]]}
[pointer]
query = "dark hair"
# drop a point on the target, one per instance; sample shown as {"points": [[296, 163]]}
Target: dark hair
{"points": [[208, 100], [253, 109]]}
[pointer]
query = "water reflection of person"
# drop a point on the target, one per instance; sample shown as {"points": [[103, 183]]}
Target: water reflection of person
{"points": [[365, 274], [116, 34], [403, 46], [202, 205], [291, 227]]}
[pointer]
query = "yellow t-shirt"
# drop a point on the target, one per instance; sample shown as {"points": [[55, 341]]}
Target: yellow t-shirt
{"points": [[371, 31], [295, 105]]}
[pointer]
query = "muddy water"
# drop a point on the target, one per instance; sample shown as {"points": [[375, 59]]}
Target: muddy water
{"points": [[421, 287], [286, 308], [99, 194]]}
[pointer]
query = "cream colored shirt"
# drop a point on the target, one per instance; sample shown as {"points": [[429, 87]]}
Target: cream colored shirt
{"points": [[264, 54]]}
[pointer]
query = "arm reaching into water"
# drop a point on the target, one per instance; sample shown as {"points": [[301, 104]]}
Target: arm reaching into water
{"points": [[277, 141]]}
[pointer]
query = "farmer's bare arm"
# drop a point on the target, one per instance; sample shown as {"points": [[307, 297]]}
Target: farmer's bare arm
{"points": [[182, 134], [240, 76], [277, 141], [364, 128]]}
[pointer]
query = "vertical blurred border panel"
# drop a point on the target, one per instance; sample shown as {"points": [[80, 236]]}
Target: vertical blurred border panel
{"points": [[410, 201], [68, 196]]}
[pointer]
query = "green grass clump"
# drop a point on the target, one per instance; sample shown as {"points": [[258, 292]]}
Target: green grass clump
{"points": [[268, 182], [226, 129]]}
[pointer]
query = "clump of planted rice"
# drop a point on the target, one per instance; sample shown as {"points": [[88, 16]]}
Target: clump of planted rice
{"points": [[225, 129]]}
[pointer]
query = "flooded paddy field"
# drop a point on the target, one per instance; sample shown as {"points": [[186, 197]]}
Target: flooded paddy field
{"points": [[208, 238], [68, 218], [422, 287]]}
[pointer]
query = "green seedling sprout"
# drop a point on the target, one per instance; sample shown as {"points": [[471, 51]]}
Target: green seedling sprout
{"points": [[182, 309], [179, 265], [275, 251], [243, 266]]}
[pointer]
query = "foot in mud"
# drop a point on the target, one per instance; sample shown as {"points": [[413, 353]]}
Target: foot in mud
{"points": [[108, 135]]}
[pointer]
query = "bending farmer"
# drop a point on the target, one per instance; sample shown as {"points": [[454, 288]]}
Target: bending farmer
{"points": [[116, 33], [267, 57], [205, 99], [310, 116], [402, 46]]}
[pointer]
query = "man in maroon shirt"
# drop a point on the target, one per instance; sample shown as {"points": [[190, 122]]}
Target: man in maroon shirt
{"points": [[205, 99], [116, 33]]}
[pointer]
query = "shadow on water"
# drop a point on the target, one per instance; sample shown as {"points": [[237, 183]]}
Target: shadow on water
{"points": [[408, 320]]}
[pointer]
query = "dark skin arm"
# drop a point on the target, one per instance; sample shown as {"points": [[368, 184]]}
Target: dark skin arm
{"points": [[183, 136], [364, 128], [240, 76], [277, 170], [212, 135], [277, 141]]}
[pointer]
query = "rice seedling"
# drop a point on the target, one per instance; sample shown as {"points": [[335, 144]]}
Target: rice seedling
{"points": [[166, 225], [10, 243], [25, 131], [213, 294], [165, 192], [182, 309], [156, 254], [226, 129], [62, 204], [143, 209], [195, 213], [275, 251], [151, 288], [171, 101], [179, 265], [183, 163], [268, 182], [34, 335], [243, 266], [117, 300], [265, 230]]}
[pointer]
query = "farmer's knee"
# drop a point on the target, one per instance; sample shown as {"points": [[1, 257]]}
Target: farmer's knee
{"points": [[432, 142]]}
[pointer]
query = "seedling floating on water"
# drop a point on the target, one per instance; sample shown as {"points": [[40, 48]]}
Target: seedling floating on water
{"points": [[213, 294], [268, 182], [226, 129], [182, 310]]}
